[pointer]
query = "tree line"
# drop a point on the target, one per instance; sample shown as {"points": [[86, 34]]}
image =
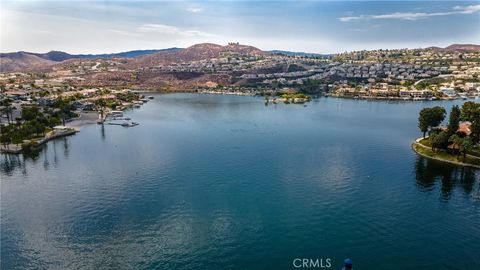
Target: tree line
{"points": [[451, 137]]}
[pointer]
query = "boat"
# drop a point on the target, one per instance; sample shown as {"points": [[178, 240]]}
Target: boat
{"points": [[150, 97], [115, 113], [127, 124], [124, 124]]}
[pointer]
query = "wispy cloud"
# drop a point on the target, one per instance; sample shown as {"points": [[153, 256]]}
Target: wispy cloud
{"points": [[171, 30], [121, 32], [194, 10], [467, 9], [412, 16]]}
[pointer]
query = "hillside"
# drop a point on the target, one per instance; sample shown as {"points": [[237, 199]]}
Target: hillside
{"points": [[24, 61], [21, 61], [138, 59], [194, 53], [463, 47], [458, 48]]}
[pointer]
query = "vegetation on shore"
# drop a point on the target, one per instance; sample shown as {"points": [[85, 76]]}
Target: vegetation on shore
{"points": [[293, 96], [458, 141], [444, 156], [34, 121]]}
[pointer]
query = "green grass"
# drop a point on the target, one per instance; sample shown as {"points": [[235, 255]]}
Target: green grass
{"points": [[474, 152], [426, 142], [445, 156]]}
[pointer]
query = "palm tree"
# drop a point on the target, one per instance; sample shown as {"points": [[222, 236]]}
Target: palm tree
{"points": [[466, 145], [455, 140]]}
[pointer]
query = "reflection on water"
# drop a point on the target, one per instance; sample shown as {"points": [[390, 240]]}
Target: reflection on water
{"points": [[102, 132], [428, 172], [47, 152]]}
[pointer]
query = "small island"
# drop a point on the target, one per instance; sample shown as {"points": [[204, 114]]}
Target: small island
{"points": [[288, 97], [456, 143]]}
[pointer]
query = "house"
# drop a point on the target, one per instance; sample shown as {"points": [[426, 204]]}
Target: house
{"points": [[465, 128], [17, 95], [447, 91]]}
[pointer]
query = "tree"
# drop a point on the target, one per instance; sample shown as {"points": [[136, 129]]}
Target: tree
{"points": [[455, 140], [8, 111], [430, 117], [30, 113], [471, 112], [440, 140], [466, 145], [432, 138], [454, 120]]}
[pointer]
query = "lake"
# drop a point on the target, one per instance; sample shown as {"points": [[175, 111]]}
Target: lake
{"points": [[225, 182]]}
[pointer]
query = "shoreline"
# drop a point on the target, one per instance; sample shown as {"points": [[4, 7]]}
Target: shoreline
{"points": [[16, 149], [417, 143], [85, 118], [323, 94]]}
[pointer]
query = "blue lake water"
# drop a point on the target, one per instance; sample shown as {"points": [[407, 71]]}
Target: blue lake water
{"points": [[225, 182]]}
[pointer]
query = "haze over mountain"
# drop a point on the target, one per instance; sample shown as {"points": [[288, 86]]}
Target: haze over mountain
{"points": [[61, 56], [24, 61], [19, 61]]}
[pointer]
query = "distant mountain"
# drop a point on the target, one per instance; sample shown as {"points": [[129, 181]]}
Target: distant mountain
{"points": [[129, 54], [463, 47], [290, 53], [25, 61], [20, 61], [194, 53], [458, 48], [54, 55]]}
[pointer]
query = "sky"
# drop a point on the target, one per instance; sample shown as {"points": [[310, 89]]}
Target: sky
{"points": [[307, 26]]}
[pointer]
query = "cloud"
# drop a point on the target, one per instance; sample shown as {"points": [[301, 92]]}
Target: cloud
{"points": [[171, 30], [194, 10], [157, 28], [412, 16], [468, 9], [121, 32]]}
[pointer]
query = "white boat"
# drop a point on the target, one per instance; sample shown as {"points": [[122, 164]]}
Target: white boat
{"points": [[115, 113]]}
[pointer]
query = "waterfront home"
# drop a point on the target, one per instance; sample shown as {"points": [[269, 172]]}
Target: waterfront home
{"points": [[449, 92], [465, 127]]}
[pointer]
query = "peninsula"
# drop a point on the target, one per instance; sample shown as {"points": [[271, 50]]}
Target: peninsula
{"points": [[456, 143]]}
